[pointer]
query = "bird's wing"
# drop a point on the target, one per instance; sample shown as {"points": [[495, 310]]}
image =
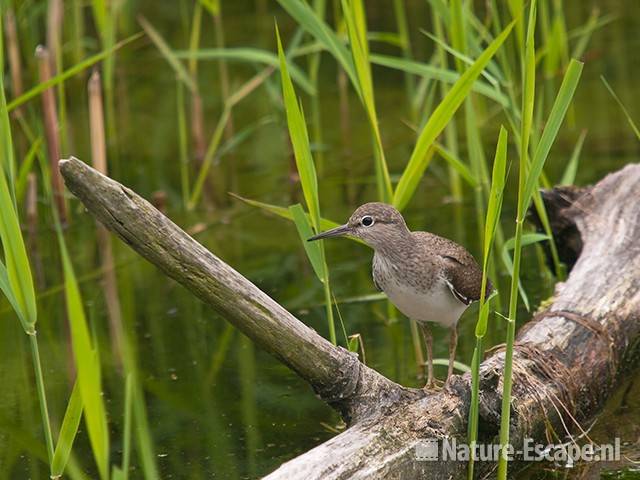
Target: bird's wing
{"points": [[457, 294], [462, 273]]}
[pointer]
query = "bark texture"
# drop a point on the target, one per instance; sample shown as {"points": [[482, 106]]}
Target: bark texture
{"points": [[567, 359]]}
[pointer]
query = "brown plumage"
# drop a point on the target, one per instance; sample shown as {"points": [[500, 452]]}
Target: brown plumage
{"points": [[427, 277], [461, 268]]}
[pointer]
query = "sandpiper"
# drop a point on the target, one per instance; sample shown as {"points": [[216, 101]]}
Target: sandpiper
{"points": [[427, 277]]}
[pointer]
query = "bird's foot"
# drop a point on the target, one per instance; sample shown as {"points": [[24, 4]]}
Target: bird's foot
{"points": [[433, 385]]}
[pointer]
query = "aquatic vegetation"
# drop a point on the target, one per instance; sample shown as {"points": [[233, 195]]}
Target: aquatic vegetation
{"points": [[423, 107]]}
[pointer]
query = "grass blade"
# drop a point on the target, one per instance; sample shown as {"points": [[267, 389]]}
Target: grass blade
{"points": [[439, 119], [16, 280], [250, 55], [25, 169], [494, 209], [569, 175], [313, 249], [462, 57], [304, 16], [68, 432], [70, 72], [633, 125], [306, 170], [429, 71], [558, 111], [168, 54], [528, 83], [299, 140], [18, 271], [126, 432], [354, 16], [87, 363], [285, 212], [527, 239], [457, 164]]}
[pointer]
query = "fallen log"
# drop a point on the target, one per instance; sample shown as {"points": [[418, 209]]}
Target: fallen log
{"points": [[567, 359]]}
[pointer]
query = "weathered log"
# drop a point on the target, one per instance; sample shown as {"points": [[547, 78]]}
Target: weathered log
{"points": [[566, 360], [355, 390]]}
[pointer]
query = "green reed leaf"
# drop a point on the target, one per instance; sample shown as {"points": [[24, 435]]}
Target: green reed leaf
{"points": [[250, 55], [313, 249], [457, 164], [300, 140], [632, 124], [528, 83], [18, 279], [439, 119], [70, 72], [569, 175], [88, 365], [354, 16], [25, 169], [558, 111], [447, 76], [212, 6], [284, 212], [167, 52], [68, 431], [305, 17], [527, 239]]}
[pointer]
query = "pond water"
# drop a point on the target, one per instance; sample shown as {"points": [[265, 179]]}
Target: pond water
{"points": [[215, 405]]}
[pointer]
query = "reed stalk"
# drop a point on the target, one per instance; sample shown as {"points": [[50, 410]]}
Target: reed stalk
{"points": [[492, 220], [319, 7], [528, 97], [223, 70], [42, 394], [50, 115], [402, 27], [13, 51], [182, 142], [197, 116], [105, 248], [450, 134], [77, 19], [54, 45], [528, 178]]}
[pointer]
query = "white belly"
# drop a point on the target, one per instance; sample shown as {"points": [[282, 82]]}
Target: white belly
{"points": [[438, 305]]}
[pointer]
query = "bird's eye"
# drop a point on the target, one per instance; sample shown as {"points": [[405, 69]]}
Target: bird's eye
{"points": [[367, 221]]}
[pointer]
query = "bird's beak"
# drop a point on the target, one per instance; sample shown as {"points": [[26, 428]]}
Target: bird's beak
{"points": [[334, 232]]}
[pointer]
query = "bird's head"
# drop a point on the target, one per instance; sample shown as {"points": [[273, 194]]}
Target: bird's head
{"points": [[375, 223]]}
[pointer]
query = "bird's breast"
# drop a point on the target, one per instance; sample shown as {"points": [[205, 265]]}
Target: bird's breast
{"points": [[422, 300]]}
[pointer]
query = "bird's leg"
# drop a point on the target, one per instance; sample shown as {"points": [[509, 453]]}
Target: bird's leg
{"points": [[453, 342], [428, 340]]}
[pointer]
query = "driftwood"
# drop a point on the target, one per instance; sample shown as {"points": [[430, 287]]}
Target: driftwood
{"points": [[566, 360]]}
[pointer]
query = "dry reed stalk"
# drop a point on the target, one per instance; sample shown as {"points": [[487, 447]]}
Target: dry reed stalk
{"points": [[197, 128], [13, 51], [96, 124], [109, 279], [54, 28], [50, 114]]}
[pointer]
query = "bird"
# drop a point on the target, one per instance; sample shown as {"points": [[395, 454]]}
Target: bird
{"points": [[430, 279]]}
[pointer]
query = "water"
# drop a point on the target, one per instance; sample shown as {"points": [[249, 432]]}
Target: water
{"points": [[217, 407]]}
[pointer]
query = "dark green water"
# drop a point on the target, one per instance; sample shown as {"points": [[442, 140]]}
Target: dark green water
{"points": [[218, 407]]}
